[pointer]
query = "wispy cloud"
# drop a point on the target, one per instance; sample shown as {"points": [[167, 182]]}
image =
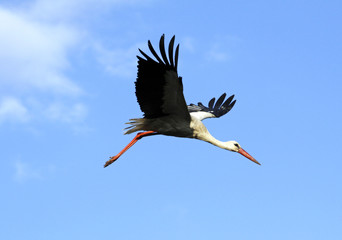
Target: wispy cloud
{"points": [[11, 109], [33, 55], [220, 50], [119, 62], [188, 43], [69, 114], [36, 41], [71, 9], [33, 62], [23, 171], [217, 54]]}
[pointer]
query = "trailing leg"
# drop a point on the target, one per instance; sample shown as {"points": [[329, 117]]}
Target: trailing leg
{"points": [[135, 139]]}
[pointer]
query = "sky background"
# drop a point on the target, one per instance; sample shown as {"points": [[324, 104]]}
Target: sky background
{"points": [[67, 72]]}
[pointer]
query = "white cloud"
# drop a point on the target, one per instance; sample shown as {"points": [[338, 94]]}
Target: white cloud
{"points": [[69, 114], [216, 54], [34, 54], [221, 48], [188, 43], [119, 62], [66, 10], [25, 171], [12, 109], [37, 40]]}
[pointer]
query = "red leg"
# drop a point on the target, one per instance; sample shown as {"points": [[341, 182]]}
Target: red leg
{"points": [[135, 139]]}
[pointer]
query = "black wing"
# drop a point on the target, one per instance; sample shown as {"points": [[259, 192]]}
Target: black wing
{"points": [[212, 111], [159, 90]]}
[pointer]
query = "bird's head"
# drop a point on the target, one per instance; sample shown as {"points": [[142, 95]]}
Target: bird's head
{"points": [[235, 147]]}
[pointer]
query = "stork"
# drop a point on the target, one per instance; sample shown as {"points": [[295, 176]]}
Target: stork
{"points": [[159, 91]]}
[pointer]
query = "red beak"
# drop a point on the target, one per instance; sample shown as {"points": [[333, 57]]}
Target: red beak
{"points": [[246, 154]]}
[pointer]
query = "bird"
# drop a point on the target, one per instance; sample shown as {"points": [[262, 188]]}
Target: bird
{"points": [[159, 92]]}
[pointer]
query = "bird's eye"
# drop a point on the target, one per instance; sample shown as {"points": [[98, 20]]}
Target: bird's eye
{"points": [[236, 145]]}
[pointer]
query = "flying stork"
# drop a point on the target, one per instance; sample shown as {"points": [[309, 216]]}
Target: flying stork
{"points": [[159, 92]]}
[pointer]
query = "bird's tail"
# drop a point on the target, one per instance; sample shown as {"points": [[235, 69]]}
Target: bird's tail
{"points": [[137, 124]]}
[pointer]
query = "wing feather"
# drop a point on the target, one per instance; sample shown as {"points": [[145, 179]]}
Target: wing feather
{"points": [[154, 52], [171, 51], [212, 111], [159, 90], [162, 50], [145, 55], [220, 101], [211, 103], [176, 57]]}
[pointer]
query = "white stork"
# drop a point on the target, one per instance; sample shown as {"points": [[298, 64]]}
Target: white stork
{"points": [[159, 92]]}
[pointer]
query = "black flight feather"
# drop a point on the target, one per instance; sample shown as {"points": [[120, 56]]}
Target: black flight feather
{"points": [[211, 103], [220, 101], [176, 57], [159, 90], [171, 50], [218, 110], [145, 55], [162, 50], [154, 52]]}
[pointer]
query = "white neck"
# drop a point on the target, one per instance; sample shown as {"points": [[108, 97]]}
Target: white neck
{"points": [[210, 139], [202, 133]]}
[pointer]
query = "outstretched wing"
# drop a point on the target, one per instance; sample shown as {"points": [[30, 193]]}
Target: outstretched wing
{"points": [[159, 90], [212, 111]]}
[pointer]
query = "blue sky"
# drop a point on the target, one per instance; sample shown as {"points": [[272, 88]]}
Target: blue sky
{"points": [[67, 72]]}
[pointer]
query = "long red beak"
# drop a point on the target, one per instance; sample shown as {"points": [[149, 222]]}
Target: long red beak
{"points": [[246, 154]]}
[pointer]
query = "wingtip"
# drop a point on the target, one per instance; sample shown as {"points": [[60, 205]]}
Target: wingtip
{"points": [[162, 50], [141, 51], [232, 104], [149, 44], [211, 103], [176, 56], [162, 38]]}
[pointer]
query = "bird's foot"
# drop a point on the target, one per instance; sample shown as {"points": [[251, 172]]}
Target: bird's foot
{"points": [[111, 160]]}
